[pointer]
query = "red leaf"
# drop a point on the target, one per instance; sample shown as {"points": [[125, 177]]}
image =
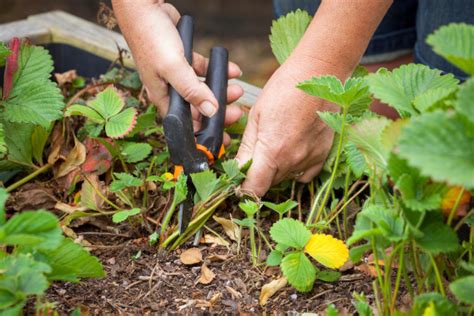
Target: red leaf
{"points": [[98, 159], [11, 66]]}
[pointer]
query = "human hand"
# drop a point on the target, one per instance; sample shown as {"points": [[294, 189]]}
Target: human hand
{"points": [[284, 135], [150, 30]]}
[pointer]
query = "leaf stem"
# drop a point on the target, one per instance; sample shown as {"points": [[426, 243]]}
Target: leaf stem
{"points": [[28, 178], [438, 275], [455, 206]]}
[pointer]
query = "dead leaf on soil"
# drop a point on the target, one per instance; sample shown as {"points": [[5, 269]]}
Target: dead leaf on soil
{"points": [[230, 228], [191, 256], [269, 289], [214, 240], [234, 293], [65, 77], [74, 159], [32, 197], [89, 196], [57, 142], [206, 275], [98, 159], [367, 269], [69, 209], [217, 257]]}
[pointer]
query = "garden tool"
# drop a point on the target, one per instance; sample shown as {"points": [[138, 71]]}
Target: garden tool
{"points": [[193, 152]]}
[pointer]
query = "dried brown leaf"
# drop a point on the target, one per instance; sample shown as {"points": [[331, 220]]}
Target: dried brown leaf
{"points": [[230, 228], [214, 240], [191, 256], [206, 275], [65, 77], [269, 289], [74, 159]]}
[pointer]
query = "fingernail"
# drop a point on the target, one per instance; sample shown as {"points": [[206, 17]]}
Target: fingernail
{"points": [[207, 108]]}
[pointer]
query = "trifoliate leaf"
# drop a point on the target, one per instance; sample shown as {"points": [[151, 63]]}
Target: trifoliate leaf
{"points": [[107, 103], [4, 53], [386, 220], [354, 92], [283, 207], [249, 207], [120, 216], [135, 152], [366, 136], [205, 183], [454, 43], [290, 232], [71, 262], [465, 101], [327, 250], [400, 87], [32, 228], [86, 111], [299, 271], [463, 289], [121, 124], [441, 146], [34, 98], [124, 180], [437, 238], [418, 194], [286, 32]]}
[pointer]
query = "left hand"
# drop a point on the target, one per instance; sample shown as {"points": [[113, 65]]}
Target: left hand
{"points": [[284, 135]]}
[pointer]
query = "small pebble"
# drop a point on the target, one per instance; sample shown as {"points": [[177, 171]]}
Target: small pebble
{"points": [[293, 297]]}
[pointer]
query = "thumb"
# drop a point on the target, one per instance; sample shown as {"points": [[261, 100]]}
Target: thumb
{"points": [[182, 77]]}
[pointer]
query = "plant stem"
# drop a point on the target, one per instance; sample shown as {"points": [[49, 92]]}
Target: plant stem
{"points": [[167, 218], [315, 203], [336, 163], [397, 281], [344, 208], [29, 177], [455, 206], [253, 246], [438, 276]]}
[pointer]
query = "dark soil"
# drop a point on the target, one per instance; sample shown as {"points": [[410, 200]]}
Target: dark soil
{"points": [[158, 282]]}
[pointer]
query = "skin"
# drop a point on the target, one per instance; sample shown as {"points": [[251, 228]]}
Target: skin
{"points": [[284, 136]]}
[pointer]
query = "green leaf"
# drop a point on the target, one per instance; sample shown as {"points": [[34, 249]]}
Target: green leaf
{"points": [[463, 289], [439, 304], [4, 53], [274, 258], [331, 310], [400, 87], [249, 207], [3, 200], [366, 136], [71, 262], [361, 305], [354, 92], [180, 189], [3, 144], [246, 222], [355, 159], [205, 183], [123, 215], [32, 228], [387, 221], [107, 103], [121, 124], [232, 170], [420, 195], [124, 180], [454, 43], [328, 276], [86, 111], [440, 145], [18, 140], [135, 152], [286, 32], [299, 271], [290, 232], [283, 207], [34, 98], [356, 253], [432, 98], [464, 103], [333, 120], [437, 238], [39, 138]]}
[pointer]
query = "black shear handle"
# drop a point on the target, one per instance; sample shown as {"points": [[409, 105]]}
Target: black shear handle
{"points": [[212, 128], [178, 123]]}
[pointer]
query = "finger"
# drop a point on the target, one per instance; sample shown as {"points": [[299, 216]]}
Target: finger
{"points": [[200, 64], [262, 172], [183, 78], [234, 92], [248, 141], [232, 114], [309, 174], [171, 11], [226, 140]]}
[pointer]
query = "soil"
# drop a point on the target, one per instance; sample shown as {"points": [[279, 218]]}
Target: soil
{"points": [[142, 280]]}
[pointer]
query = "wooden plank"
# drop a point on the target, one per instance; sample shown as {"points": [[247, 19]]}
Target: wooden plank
{"points": [[64, 28]]}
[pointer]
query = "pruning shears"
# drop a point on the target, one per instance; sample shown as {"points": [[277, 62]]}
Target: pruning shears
{"points": [[193, 152]]}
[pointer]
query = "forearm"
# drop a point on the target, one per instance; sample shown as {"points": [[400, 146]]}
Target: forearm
{"points": [[338, 35]]}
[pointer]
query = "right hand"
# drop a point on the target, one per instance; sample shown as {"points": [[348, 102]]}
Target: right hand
{"points": [[150, 30]]}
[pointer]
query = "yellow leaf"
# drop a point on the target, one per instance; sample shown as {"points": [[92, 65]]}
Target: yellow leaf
{"points": [[230, 228], [327, 250], [430, 310], [271, 288]]}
